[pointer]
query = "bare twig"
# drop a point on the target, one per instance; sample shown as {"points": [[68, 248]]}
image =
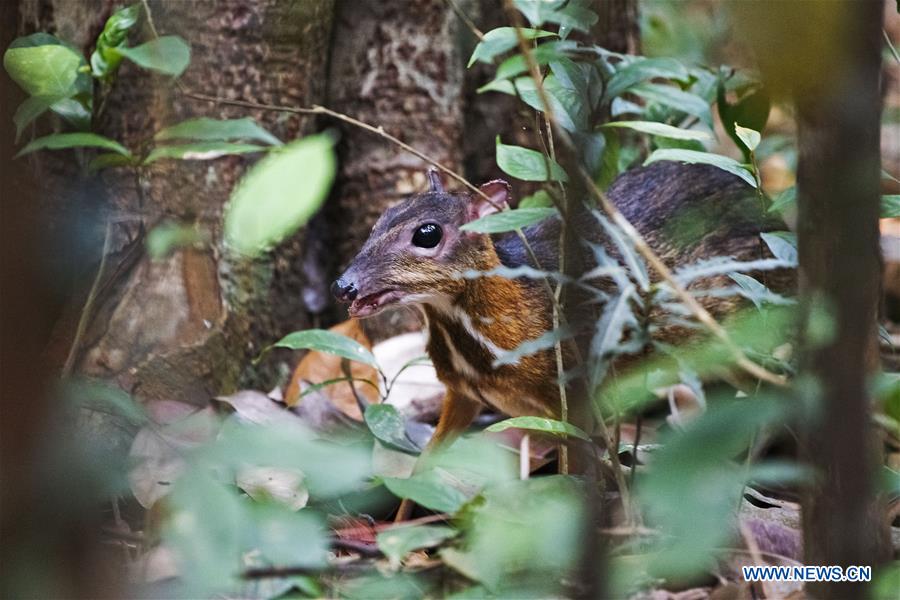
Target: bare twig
{"points": [[85, 317], [465, 19]]}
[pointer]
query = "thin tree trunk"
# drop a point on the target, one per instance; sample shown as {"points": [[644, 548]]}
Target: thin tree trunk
{"points": [[618, 26], [840, 262]]}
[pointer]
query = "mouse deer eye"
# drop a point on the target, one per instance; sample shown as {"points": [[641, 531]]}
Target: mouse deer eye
{"points": [[427, 235]]}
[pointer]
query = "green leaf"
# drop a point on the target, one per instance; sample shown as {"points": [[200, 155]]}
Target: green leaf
{"points": [[499, 40], [890, 206], [509, 220], [397, 542], [105, 59], [663, 130], [98, 396], [279, 194], [539, 199], [674, 97], [643, 69], [109, 160], [75, 111], [526, 164], [783, 245], [750, 137], [201, 151], [205, 128], [428, 489], [60, 141], [329, 342], [541, 424], [30, 110], [751, 109], [568, 15], [286, 537], [785, 200], [168, 54], [707, 158], [389, 427], [42, 70]]}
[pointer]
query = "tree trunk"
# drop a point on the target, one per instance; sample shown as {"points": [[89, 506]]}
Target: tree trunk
{"points": [[840, 264], [396, 65], [618, 26], [185, 327]]}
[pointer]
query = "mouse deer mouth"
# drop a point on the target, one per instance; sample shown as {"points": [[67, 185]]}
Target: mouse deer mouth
{"points": [[368, 305]]}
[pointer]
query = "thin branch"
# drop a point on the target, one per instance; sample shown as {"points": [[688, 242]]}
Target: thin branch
{"points": [[887, 39], [85, 317], [465, 19]]}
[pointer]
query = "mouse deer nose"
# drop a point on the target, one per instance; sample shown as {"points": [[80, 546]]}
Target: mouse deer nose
{"points": [[344, 290]]}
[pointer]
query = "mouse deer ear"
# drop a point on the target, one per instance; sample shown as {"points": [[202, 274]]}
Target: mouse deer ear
{"points": [[499, 196], [434, 181]]}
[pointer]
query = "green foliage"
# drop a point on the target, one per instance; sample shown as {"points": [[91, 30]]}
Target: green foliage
{"points": [[500, 40], [509, 220], [397, 542], [42, 65], [890, 206], [551, 426], [222, 130], [330, 342], [783, 245], [389, 427], [169, 54], [62, 141], [527, 165], [106, 57], [167, 237], [279, 194], [707, 158], [201, 151], [750, 110], [662, 130]]}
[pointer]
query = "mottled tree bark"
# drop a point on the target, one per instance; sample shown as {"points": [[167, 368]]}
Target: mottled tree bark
{"points": [[840, 264], [618, 26], [396, 65], [185, 327]]}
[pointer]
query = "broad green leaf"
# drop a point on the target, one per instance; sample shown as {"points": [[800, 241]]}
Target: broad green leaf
{"points": [[526, 164], [509, 220], [329, 342], [751, 110], [541, 424], [110, 159], [30, 110], [674, 97], [75, 112], [890, 206], [661, 129], [279, 194], [286, 537], [389, 427], [750, 137], [785, 200], [543, 54], [568, 15], [168, 54], [643, 69], [428, 489], [707, 158], [201, 151], [106, 59], [397, 542], [539, 199], [783, 245], [44, 70], [60, 141], [205, 128], [499, 40]]}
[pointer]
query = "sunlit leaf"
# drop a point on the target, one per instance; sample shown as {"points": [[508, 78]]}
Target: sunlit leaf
{"points": [[168, 54], [783, 245], [661, 129], [551, 426], [201, 151], [106, 59], [693, 157], [499, 40], [644, 69], [750, 137], [42, 65], [61, 141], [329, 342], [509, 220], [397, 542], [526, 164], [204, 128], [279, 194], [676, 98]]}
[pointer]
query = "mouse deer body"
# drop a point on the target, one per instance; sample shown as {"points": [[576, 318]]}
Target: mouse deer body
{"points": [[418, 255]]}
